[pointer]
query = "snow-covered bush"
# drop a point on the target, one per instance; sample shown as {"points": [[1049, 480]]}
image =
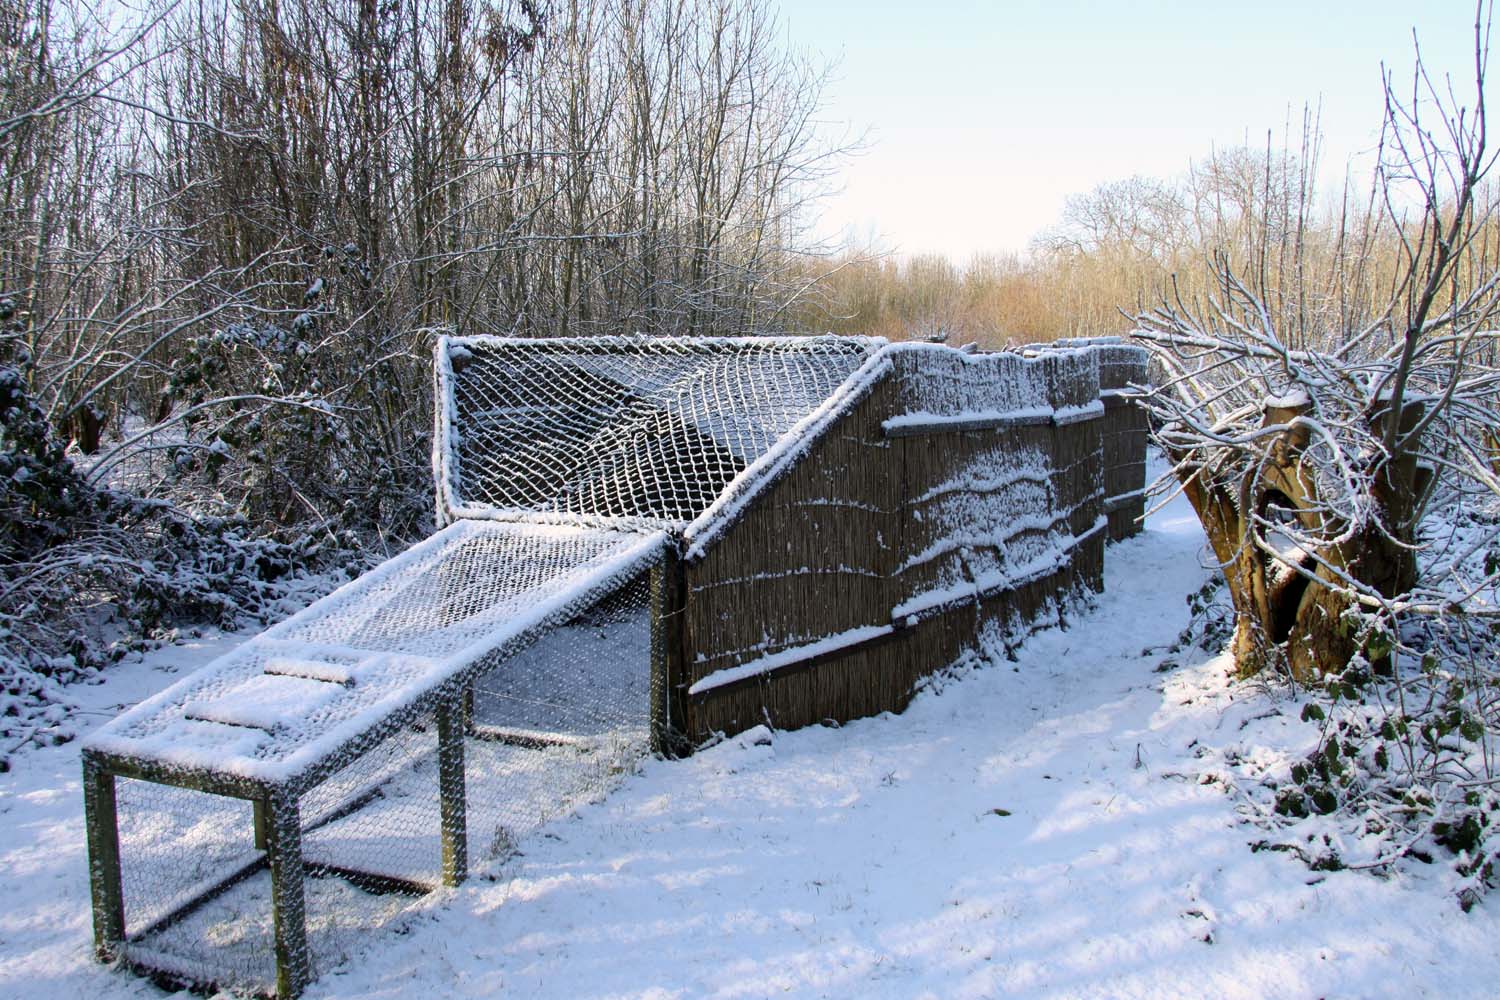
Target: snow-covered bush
{"points": [[88, 574], [295, 427]]}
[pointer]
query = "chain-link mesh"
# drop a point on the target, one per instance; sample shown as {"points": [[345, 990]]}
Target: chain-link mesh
{"points": [[547, 729], [637, 428], [555, 725], [281, 700], [196, 889], [378, 816]]}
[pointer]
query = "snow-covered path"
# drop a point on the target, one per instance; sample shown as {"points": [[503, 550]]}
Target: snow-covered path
{"points": [[1040, 828]]}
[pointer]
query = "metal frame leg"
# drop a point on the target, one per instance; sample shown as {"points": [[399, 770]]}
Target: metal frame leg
{"points": [[262, 824], [101, 820], [284, 845], [451, 792]]}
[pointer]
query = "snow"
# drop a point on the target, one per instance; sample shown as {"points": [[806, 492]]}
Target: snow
{"points": [[991, 476], [923, 418], [318, 670], [1289, 400], [960, 538], [941, 381], [1052, 559], [266, 702], [1063, 825], [208, 739], [1077, 414]]}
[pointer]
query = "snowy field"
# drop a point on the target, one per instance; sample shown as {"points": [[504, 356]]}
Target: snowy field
{"points": [[1062, 826]]}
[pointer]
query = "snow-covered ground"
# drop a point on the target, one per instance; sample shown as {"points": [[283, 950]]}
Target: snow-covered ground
{"points": [[1058, 826]]}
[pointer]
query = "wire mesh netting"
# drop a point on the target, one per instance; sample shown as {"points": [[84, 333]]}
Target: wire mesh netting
{"points": [[180, 847], [558, 724], [548, 728], [281, 700], [198, 894], [636, 428]]}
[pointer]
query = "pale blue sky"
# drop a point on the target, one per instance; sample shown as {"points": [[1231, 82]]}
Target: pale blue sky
{"points": [[982, 117]]}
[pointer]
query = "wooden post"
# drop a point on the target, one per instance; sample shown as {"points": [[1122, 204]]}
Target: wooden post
{"points": [[668, 701], [288, 905], [451, 793], [101, 821]]}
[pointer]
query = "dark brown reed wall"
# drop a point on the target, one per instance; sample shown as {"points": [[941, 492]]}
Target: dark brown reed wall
{"points": [[958, 504], [1123, 431]]}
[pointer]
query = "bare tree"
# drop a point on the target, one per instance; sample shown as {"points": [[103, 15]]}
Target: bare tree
{"points": [[229, 228], [1311, 460]]}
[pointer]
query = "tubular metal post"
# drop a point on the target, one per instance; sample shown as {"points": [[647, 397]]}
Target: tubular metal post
{"points": [[451, 794], [102, 823], [284, 845]]}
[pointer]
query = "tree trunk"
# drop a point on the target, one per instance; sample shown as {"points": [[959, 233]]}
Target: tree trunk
{"points": [[1295, 617]]}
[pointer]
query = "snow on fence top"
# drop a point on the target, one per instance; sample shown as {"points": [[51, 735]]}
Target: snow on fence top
{"points": [[296, 699], [944, 386], [623, 430]]}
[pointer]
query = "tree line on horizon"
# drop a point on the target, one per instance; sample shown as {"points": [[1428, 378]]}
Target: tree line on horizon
{"points": [[1327, 258]]}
